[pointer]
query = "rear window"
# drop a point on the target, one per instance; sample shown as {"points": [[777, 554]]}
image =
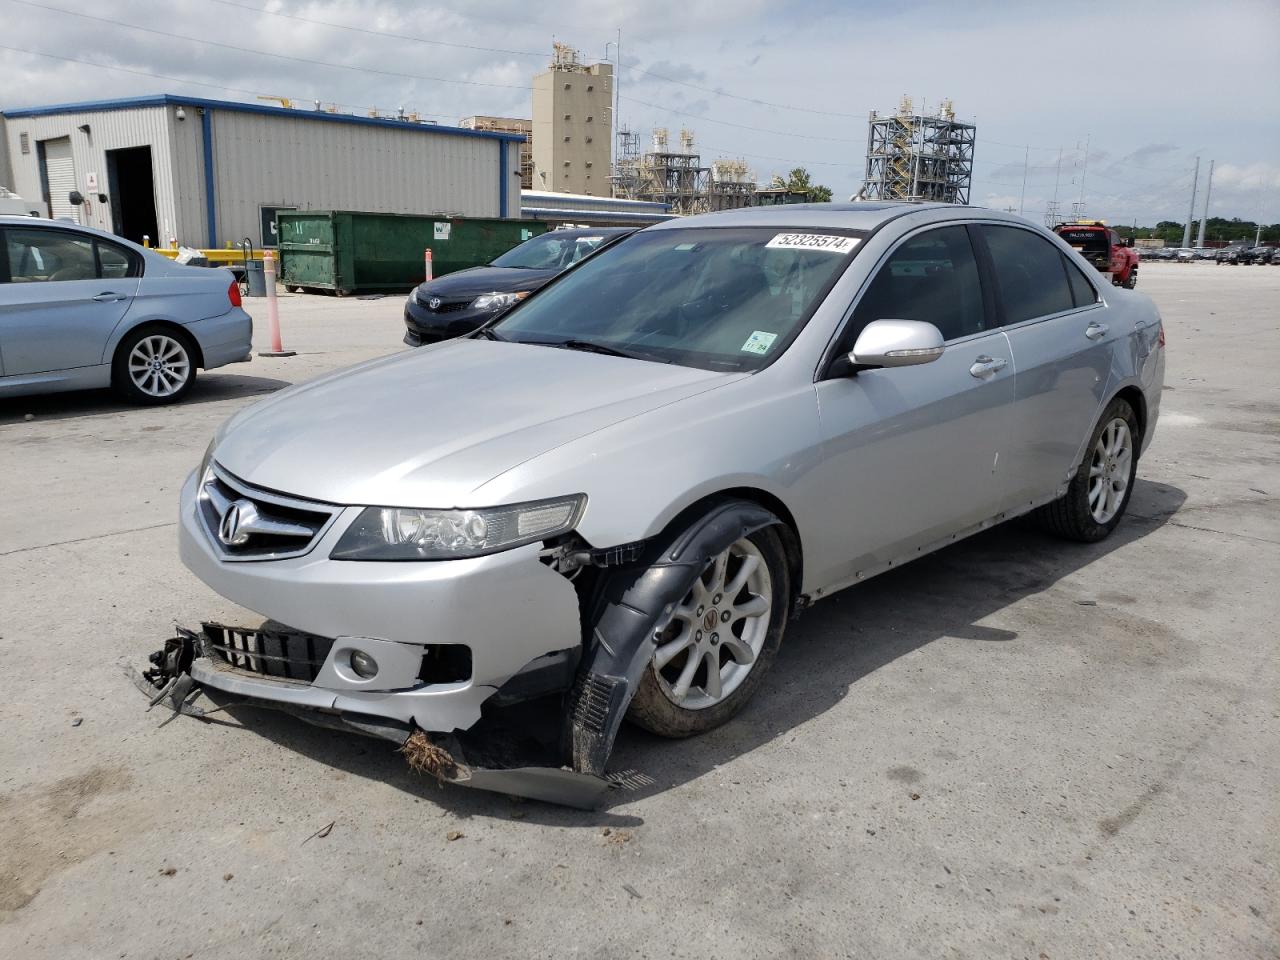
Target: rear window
{"points": [[1089, 239]]}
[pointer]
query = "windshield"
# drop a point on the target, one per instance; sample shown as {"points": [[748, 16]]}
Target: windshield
{"points": [[551, 251], [721, 298]]}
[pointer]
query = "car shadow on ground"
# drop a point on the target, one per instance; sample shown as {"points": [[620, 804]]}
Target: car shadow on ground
{"points": [[840, 641], [208, 388]]}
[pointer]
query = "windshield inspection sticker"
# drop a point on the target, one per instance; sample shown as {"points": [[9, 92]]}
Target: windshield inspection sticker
{"points": [[759, 342], [812, 241]]}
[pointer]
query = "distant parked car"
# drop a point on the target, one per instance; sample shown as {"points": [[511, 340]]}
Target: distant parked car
{"points": [[1233, 255], [1204, 253], [83, 309], [457, 304], [1185, 254], [1261, 255]]}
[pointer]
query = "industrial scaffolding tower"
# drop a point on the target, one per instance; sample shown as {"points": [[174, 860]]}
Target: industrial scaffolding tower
{"points": [[912, 156]]}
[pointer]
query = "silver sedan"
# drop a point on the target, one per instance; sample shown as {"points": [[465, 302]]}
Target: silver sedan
{"points": [[612, 500], [81, 308]]}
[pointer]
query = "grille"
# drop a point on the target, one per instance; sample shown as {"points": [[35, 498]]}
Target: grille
{"points": [[276, 652], [266, 526], [446, 306]]}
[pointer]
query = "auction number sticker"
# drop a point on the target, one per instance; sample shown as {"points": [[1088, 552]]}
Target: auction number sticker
{"points": [[759, 342], [812, 241]]}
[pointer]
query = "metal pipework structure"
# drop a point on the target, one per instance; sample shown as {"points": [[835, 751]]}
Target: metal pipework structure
{"points": [[912, 156]]}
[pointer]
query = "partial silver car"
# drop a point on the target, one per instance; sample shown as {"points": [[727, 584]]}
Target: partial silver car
{"points": [[612, 500], [84, 309]]}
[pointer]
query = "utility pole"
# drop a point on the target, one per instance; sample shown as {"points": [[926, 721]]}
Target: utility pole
{"points": [[1208, 188], [1191, 213], [1084, 171], [1022, 198]]}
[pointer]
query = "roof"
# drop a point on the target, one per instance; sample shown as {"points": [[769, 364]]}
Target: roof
{"points": [[168, 99], [863, 215]]}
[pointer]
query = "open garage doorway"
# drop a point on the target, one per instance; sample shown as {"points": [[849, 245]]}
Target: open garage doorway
{"points": [[132, 194]]}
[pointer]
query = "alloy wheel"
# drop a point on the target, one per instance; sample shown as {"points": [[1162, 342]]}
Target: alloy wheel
{"points": [[159, 365], [713, 638], [1109, 470]]}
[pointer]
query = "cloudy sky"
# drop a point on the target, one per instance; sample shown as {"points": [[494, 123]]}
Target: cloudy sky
{"points": [[1145, 86]]}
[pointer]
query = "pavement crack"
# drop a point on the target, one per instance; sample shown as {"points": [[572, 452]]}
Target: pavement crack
{"points": [[96, 536]]}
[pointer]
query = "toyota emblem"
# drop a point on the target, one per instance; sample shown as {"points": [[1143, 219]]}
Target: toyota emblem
{"points": [[434, 303], [233, 530]]}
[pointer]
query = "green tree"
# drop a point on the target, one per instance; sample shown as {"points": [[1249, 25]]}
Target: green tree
{"points": [[799, 181]]}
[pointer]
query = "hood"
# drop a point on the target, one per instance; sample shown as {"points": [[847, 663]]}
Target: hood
{"points": [[477, 280], [427, 427]]}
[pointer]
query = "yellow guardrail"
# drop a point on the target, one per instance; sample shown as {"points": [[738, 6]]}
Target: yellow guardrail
{"points": [[215, 257]]}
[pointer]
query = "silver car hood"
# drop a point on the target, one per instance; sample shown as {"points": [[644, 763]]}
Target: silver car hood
{"points": [[427, 427]]}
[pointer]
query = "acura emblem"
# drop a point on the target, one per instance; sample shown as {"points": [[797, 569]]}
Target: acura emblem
{"points": [[434, 303], [236, 523]]}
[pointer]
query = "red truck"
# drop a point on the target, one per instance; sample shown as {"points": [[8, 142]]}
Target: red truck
{"points": [[1104, 248]]}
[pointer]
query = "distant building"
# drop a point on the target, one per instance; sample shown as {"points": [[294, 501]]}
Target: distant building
{"points": [[514, 125], [212, 172], [572, 125]]}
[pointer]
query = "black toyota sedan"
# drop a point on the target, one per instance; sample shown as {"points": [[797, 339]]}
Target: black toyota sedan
{"points": [[460, 302]]}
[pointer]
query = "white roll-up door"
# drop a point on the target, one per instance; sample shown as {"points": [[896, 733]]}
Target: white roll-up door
{"points": [[60, 172]]}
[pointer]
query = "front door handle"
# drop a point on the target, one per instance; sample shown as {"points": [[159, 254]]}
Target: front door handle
{"points": [[984, 366], [109, 297], [1095, 330]]}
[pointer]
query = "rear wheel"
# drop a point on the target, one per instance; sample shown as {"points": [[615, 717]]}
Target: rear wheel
{"points": [[1099, 492], [154, 365], [713, 651], [1132, 280]]}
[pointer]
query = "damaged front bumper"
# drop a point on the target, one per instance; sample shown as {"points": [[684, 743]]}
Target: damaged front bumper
{"points": [[191, 676]]}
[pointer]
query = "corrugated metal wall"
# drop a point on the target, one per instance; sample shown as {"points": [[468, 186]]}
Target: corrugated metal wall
{"points": [[108, 130], [272, 159], [313, 164]]}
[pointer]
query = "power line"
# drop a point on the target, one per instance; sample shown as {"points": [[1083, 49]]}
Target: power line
{"points": [[265, 53], [183, 80], [375, 33]]}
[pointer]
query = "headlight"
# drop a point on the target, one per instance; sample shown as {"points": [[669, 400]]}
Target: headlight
{"points": [[399, 533], [496, 301]]}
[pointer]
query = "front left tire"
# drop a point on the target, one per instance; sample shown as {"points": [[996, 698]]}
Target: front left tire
{"points": [[719, 642], [154, 365]]}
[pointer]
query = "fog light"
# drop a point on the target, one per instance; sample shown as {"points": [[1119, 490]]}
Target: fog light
{"points": [[363, 665]]}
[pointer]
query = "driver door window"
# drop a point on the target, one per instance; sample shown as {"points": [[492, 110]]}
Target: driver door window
{"points": [[931, 277]]}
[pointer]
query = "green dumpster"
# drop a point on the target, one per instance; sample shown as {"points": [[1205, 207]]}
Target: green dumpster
{"points": [[346, 251]]}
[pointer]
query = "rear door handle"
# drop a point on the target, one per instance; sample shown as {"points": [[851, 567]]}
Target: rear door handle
{"points": [[1095, 330], [109, 297], [984, 366]]}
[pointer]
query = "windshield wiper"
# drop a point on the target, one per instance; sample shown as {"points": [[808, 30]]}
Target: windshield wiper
{"points": [[588, 346], [488, 334]]}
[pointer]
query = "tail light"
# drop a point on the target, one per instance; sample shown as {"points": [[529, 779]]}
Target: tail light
{"points": [[1160, 336], [233, 293]]}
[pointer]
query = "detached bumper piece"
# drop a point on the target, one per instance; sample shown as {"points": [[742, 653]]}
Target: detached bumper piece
{"points": [[498, 754]]}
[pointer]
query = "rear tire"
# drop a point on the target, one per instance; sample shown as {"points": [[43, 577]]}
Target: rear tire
{"points": [[1132, 281], [1099, 492], [671, 704], [154, 365]]}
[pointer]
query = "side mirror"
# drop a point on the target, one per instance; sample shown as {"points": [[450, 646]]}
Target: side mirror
{"points": [[75, 198], [1128, 241], [896, 343]]}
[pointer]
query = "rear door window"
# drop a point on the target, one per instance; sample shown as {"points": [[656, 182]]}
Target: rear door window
{"points": [[1082, 291], [37, 256], [1030, 274], [53, 256]]}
